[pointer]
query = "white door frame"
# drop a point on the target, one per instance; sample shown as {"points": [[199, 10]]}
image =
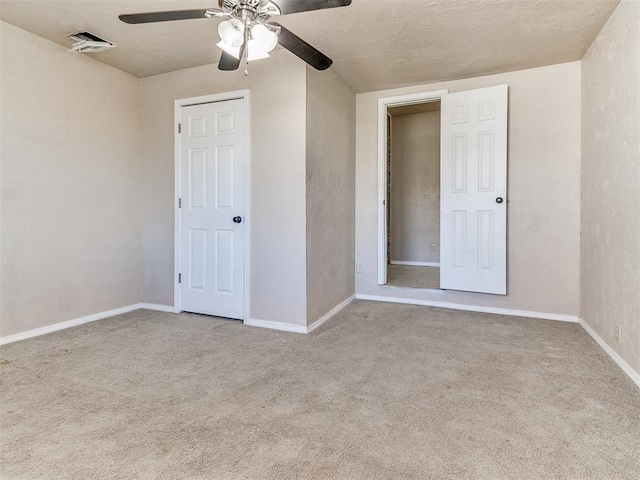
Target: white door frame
{"points": [[383, 105], [187, 102]]}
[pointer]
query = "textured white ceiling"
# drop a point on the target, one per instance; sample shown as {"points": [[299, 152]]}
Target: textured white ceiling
{"points": [[375, 44]]}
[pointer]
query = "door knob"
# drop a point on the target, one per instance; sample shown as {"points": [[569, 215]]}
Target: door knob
{"points": [[499, 200], [237, 219]]}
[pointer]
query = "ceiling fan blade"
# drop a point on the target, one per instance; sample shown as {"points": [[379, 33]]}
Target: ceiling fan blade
{"points": [[302, 49], [295, 6], [163, 16], [228, 62]]}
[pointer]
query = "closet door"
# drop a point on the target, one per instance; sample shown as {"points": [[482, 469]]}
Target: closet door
{"points": [[473, 191], [212, 192]]}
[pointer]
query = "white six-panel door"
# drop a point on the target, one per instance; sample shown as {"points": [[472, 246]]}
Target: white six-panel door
{"points": [[473, 202], [212, 194]]}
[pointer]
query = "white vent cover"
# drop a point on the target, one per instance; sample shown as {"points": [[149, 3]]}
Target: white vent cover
{"points": [[87, 42]]}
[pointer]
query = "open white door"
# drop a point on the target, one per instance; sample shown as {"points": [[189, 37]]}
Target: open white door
{"points": [[473, 189], [212, 214]]}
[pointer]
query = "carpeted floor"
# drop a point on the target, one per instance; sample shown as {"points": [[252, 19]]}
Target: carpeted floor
{"points": [[410, 276], [382, 391]]}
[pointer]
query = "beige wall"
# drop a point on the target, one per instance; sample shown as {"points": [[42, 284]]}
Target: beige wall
{"points": [[65, 177], [278, 212], [544, 191], [330, 192], [70, 198], [415, 187], [610, 259], [99, 184]]}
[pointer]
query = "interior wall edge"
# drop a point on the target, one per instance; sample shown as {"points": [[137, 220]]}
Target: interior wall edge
{"points": [[624, 366], [610, 176], [331, 313], [330, 192]]}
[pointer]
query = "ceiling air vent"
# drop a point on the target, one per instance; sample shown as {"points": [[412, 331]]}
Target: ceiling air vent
{"points": [[87, 42]]}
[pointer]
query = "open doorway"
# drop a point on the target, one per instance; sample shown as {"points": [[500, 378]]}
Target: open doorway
{"points": [[413, 207], [472, 251]]}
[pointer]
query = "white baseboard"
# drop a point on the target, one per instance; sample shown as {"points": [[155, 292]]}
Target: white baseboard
{"points": [[472, 308], [415, 264], [285, 327], [626, 368], [159, 308], [288, 327], [68, 324], [330, 314]]}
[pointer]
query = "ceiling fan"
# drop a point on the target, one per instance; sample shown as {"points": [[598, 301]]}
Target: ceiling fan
{"points": [[248, 33]]}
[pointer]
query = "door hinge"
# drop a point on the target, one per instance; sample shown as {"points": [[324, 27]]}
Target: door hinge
{"points": [[179, 203], [179, 128], [179, 278]]}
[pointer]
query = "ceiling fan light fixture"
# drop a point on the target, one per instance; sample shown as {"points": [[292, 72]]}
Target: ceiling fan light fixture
{"points": [[261, 42], [263, 38], [231, 33], [247, 15]]}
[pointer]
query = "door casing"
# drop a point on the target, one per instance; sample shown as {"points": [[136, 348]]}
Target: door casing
{"points": [[186, 102], [383, 105]]}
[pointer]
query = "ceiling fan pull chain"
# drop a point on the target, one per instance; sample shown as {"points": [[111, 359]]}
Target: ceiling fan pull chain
{"points": [[247, 34]]}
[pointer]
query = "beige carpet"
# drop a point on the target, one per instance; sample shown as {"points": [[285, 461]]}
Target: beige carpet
{"points": [[382, 391], [410, 276]]}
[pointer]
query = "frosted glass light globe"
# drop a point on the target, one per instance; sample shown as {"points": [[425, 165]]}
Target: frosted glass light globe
{"points": [[263, 38], [231, 32], [261, 42]]}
